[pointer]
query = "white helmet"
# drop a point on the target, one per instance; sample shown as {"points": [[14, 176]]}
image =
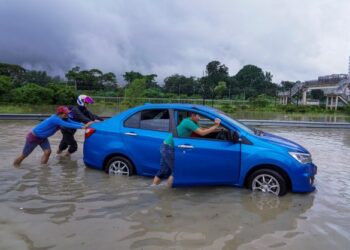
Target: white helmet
{"points": [[82, 99]]}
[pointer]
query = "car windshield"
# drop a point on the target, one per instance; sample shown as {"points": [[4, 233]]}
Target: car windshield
{"points": [[235, 122]]}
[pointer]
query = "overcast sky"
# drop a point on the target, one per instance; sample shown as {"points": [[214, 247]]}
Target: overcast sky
{"points": [[294, 40]]}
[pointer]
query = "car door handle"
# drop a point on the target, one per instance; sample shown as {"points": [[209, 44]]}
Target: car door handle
{"points": [[130, 134], [185, 146]]}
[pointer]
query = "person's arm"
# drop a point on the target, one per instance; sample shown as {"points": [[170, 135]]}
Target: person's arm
{"points": [[73, 122], [79, 116], [206, 131], [62, 123], [94, 117]]}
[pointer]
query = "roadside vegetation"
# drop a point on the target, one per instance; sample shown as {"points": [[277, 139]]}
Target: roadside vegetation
{"points": [[250, 89]]}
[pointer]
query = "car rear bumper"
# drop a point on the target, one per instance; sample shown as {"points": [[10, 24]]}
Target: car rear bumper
{"points": [[92, 158]]}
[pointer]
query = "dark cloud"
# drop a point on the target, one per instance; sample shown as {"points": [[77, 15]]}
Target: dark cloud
{"points": [[295, 40]]}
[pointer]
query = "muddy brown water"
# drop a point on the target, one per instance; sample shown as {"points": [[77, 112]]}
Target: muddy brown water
{"points": [[67, 206]]}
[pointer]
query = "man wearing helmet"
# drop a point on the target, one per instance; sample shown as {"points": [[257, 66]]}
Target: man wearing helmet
{"points": [[45, 129], [79, 113]]}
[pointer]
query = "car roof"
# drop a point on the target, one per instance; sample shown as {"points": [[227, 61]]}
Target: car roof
{"points": [[187, 106], [178, 106]]}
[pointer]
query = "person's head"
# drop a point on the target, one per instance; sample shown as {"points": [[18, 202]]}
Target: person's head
{"points": [[195, 117], [83, 100], [62, 111]]}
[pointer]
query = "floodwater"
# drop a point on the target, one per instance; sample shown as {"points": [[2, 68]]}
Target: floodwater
{"points": [[111, 109], [67, 206]]}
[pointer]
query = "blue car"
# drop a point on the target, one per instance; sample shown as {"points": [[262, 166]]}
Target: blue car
{"points": [[235, 155]]}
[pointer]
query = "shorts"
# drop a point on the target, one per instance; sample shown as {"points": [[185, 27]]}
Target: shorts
{"points": [[166, 161], [33, 141]]}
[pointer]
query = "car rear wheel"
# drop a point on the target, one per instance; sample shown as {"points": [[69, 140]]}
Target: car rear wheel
{"points": [[119, 165], [268, 181]]}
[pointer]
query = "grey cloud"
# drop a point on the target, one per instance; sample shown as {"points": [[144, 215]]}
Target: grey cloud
{"points": [[295, 40]]}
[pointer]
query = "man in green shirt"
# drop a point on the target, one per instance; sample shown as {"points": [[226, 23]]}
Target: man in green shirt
{"points": [[184, 129]]}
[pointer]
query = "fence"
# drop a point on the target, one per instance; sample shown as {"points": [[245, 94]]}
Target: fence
{"points": [[120, 101]]}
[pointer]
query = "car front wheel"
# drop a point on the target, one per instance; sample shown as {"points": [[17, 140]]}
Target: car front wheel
{"points": [[268, 181], [119, 165]]}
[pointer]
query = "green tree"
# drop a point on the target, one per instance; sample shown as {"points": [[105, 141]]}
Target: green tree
{"points": [[15, 72], [38, 77], [72, 76], [179, 84], [134, 91], [253, 81], [150, 80], [11, 70], [109, 81], [215, 72], [129, 77], [220, 89], [33, 94], [152, 93], [64, 95], [287, 85], [92, 79], [5, 87]]}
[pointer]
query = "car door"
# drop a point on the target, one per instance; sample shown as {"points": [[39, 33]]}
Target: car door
{"points": [[205, 161], [143, 134]]}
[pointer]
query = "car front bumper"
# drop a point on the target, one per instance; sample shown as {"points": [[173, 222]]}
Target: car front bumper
{"points": [[304, 180]]}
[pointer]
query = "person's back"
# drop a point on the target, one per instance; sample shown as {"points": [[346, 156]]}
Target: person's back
{"points": [[78, 113], [186, 127], [40, 133]]}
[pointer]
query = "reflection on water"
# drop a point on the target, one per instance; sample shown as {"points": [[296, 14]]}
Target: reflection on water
{"points": [[291, 116], [68, 206]]}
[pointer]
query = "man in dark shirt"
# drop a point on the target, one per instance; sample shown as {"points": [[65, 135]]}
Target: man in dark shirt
{"points": [[79, 113]]}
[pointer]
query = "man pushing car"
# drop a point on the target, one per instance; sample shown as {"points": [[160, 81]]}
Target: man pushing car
{"points": [[38, 136], [184, 129]]}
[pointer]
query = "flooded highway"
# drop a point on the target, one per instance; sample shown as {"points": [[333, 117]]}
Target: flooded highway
{"points": [[67, 206]]}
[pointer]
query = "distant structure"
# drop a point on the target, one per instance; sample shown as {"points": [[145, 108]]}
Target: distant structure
{"points": [[349, 68], [336, 88]]}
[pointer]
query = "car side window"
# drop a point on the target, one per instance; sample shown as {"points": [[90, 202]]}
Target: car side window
{"points": [[133, 121], [221, 133], [155, 119]]}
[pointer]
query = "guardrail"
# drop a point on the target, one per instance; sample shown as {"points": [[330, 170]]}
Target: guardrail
{"points": [[265, 123]]}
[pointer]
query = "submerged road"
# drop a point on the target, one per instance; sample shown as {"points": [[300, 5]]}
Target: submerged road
{"points": [[65, 205]]}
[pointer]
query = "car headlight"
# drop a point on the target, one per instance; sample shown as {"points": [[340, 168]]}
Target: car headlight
{"points": [[301, 157]]}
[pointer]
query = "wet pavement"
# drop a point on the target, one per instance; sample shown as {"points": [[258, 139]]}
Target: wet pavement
{"points": [[67, 206]]}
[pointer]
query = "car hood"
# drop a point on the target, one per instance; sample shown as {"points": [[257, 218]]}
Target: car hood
{"points": [[283, 142]]}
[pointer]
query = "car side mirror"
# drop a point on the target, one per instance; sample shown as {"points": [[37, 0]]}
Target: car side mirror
{"points": [[234, 136]]}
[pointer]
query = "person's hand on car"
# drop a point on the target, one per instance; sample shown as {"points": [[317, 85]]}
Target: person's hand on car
{"points": [[88, 124]]}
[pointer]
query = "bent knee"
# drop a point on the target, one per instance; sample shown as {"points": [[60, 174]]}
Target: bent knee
{"points": [[47, 151]]}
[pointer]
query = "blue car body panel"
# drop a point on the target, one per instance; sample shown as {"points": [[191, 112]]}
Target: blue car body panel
{"points": [[210, 161], [206, 161]]}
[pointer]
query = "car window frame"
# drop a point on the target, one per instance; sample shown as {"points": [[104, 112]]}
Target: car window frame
{"points": [[139, 119], [201, 114]]}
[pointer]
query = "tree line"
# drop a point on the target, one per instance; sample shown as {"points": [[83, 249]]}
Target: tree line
{"points": [[20, 85]]}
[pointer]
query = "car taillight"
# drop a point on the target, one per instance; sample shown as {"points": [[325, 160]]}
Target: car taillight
{"points": [[89, 132]]}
